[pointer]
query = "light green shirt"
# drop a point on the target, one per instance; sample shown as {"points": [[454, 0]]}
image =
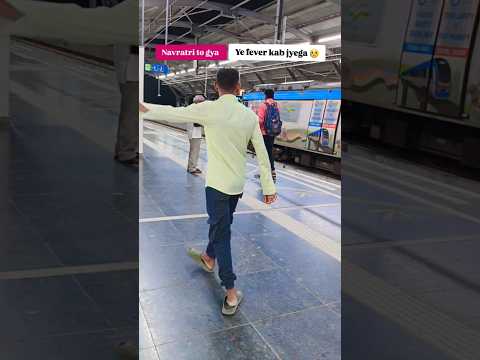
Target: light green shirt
{"points": [[229, 126]]}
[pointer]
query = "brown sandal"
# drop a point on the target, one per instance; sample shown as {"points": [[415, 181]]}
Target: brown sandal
{"points": [[197, 257]]}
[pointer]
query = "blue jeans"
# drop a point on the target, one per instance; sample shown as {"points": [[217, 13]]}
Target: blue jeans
{"points": [[220, 209]]}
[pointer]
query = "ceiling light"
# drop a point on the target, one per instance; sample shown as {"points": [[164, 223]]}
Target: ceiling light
{"points": [[329, 38], [191, 70], [297, 82], [225, 62]]}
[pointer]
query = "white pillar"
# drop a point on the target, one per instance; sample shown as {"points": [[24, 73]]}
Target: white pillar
{"points": [[4, 74], [278, 22], [141, 67], [141, 73]]}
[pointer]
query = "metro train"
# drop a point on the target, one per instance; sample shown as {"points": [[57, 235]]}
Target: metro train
{"points": [[311, 134], [414, 84]]}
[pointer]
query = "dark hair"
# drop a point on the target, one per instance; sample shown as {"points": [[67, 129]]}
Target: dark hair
{"points": [[269, 93], [227, 79]]}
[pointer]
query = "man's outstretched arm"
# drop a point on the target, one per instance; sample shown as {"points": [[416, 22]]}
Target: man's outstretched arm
{"points": [[269, 190], [195, 113]]}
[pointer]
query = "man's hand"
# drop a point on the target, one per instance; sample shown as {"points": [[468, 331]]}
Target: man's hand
{"points": [[269, 199], [142, 108]]}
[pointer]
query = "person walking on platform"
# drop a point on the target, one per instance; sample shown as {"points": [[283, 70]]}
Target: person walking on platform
{"points": [[194, 132], [270, 125], [229, 126], [126, 65]]}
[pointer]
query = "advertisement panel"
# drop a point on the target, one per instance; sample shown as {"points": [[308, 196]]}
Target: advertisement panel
{"points": [[315, 125], [295, 116], [418, 49], [329, 125], [448, 72]]}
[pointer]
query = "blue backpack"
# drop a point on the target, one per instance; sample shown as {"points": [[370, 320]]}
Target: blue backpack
{"points": [[273, 124]]}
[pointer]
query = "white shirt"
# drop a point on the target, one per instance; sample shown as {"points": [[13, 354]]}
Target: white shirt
{"points": [[229, 126], [194, 132], [132, 67], [126, 64]]}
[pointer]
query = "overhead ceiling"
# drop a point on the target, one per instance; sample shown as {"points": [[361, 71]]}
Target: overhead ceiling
{"points": [[243, 21], [228, 21]]}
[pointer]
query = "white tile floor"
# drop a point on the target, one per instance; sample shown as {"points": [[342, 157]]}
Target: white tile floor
{"points": [[286, 258]]}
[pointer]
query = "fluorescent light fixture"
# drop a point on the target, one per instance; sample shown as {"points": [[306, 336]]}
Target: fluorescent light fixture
{"points": [[225, 62], [297, 82], [171, 74], [302, 44], [191, 70], [212, 65], [329, 38], [183, 72]]}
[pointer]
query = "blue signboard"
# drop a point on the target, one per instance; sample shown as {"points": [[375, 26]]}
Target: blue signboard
{"points": [[157, 68], [160, 68], [164, 69]]}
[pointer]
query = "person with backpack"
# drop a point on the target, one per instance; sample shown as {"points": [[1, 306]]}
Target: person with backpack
{"points": [[270, 125], [229, 126]]}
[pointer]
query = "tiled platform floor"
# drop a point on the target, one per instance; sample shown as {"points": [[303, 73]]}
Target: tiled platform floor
{"points": [[67, 207], [292, 288], [411, 238]]}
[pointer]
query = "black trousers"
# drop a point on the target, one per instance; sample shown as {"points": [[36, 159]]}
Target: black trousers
{"points": [[269, 141]]}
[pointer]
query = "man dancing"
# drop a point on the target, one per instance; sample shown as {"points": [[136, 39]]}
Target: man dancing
{"points": [[229, 126]]}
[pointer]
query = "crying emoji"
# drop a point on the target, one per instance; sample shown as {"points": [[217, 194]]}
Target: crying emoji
{"points": [[314, 53]]}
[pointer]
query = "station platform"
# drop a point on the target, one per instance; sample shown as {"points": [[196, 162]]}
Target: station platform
{"points": [[410, 247], [68, 213], [286, 257]]}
